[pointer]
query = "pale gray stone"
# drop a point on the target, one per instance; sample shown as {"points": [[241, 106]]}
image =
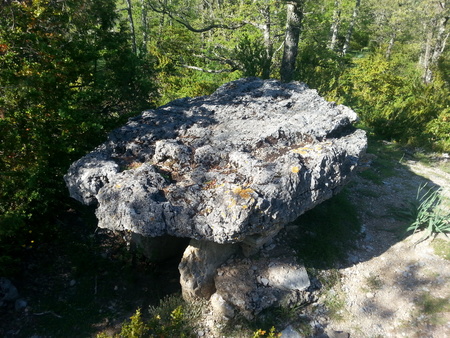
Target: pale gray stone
{"points": [[199, 265], [289, 332], [235, 166], [228, 171]]}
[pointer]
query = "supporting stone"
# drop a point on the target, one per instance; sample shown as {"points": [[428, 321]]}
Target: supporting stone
{"points": [[199, 265]]}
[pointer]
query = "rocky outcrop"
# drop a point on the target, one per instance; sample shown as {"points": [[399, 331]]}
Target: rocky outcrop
{"points": [[230, 168]]}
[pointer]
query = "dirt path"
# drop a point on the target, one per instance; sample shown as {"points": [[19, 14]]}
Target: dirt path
{"points": [[392, 287]]}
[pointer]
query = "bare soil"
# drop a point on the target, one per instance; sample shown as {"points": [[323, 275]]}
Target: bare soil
{"points": [[394, 286]]}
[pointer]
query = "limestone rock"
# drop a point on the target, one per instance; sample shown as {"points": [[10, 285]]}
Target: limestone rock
{"points": [[235, 166], [198, 267], [252, 285], [227, 171]]}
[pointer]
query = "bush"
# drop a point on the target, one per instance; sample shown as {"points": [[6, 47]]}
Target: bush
{"points": [[391, 98], [67, 76]]}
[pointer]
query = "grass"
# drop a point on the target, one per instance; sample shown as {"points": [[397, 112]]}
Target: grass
{"points": [[441, 247], [430, 215], [429, 307], [173, 317], [389, 155], [374, 283]]}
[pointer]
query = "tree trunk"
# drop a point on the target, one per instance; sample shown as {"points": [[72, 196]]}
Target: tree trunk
{"points": [[293, 28], [133, 34], [390, 46], [267, 41], [144, 19], [335, 24], [435, 44], [348, 37]]}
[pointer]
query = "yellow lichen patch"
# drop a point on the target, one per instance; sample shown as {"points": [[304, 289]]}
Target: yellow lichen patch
{"points": [[307, 149], [301, 150], [205, 211], [118, 186], [243, 193], [295, 170], [245, 206]]}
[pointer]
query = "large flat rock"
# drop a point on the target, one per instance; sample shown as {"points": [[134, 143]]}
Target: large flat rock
{"points": [[235, 166]]}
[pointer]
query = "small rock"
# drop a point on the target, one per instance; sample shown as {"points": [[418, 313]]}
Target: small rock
{"points": [[73, 282], [264, 281], [289, 332], [370, 295], [338, 334]]}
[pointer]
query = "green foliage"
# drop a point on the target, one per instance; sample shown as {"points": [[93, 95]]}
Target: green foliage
{"points": [[253, 57], [272, 333], [319, 67], [136, 328], [430, 215], [67, 76], [392, 100], [171, 318]]}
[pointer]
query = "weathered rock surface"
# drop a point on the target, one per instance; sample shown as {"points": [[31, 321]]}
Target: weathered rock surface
{"points": [[250, 286], [235, 166], [228, 171]]}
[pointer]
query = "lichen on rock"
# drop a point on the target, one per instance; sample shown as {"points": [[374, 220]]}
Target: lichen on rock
{"points": [[227, 171], [239, 163]]}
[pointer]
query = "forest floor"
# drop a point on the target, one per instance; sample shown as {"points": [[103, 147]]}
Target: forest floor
{"points": [[380, 282]]}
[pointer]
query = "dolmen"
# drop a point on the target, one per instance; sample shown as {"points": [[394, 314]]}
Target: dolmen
{"points": [[219, 177]]}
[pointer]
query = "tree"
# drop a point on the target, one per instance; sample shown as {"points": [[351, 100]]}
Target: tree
{"points": [[335, 24], [436, 32], [292, 37], [349, 34], [67, 75]]}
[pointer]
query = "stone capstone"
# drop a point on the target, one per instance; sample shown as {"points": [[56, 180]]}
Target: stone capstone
{"points": [[235, 166], [227, 171]]}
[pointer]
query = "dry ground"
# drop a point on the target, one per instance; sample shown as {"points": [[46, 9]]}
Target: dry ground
{"points": [[394, 286]]}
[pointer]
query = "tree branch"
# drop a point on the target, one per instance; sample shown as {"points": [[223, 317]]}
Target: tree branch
{"points": [[210, 70], [164, 10]]}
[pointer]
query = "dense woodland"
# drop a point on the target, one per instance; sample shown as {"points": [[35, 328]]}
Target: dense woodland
{"points": [[71, 70]]}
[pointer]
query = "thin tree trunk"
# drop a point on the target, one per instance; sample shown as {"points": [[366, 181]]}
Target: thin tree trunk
{"points": [[434, 47], [267, 41], [335, 25], [144, 26], [390, 46], [292, 37], [348, 37], [133, 34]]}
